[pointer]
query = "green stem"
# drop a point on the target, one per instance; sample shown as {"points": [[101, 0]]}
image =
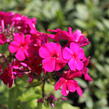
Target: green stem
{"points": [[43, 88]]}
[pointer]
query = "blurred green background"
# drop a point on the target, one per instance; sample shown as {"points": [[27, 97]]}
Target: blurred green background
{"points": [[92, 17]]}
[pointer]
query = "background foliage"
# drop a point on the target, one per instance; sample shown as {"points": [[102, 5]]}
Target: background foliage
{"points": [[92, 17]]}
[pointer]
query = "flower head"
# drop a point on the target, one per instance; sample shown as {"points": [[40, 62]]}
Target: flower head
{"points": [[52, 57], [74, 55], [20, 46], [67, 84], [76, 36]]}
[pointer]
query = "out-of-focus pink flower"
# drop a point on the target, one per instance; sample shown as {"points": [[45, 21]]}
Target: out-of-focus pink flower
{"points": [[67, 84], [20, 46], [74, 55], [52, 57]]}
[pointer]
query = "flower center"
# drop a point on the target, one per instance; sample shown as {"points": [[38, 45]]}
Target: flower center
{"points": [[55, 55], [23, 45], [74, 55]]}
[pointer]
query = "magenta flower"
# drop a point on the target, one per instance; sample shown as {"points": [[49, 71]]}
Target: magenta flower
{"points": [[67, 84], [52, 57], [74, 55], [70, 36], [20, 46], [77, 37]]}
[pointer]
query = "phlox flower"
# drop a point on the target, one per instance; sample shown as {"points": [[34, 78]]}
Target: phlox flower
{"points": [[67, 84], [77, 37], [52, 57], [74, 55], [70, 36], [20, 46]]}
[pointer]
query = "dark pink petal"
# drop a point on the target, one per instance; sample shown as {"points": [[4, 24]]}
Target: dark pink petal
{"points": [[59, 83], [60, 64], [83, 41], [49, 64], [79, 91], [87, 77], [11, 82], [64, 90], [71, 87], [76, 35], [2, 39], [26, 52], [27, 39], [81, 54], [20, 55]]}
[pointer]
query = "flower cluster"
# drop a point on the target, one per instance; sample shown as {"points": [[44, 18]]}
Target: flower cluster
{"points": [[58, 53]]}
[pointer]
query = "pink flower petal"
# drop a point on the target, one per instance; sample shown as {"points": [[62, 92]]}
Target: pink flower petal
{"points": [[76, 35], [27, 38], [20, 55], [44, 53], [75, 64], [81, 54], [49, 64], [83, 41], [87, 77], [2, 39], [72, 64], [67, 53], [53, 48], [59, 64], [59, 83], [13, 47], [71, 87], [79, 91], [19, 37], [75, 47], [79, 65], [64, 90]]}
